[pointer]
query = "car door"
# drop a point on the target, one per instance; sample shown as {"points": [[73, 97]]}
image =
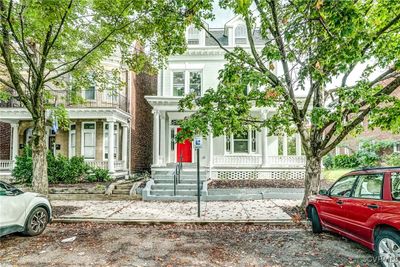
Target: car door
{"points": [[364, 204], [333, 207], [12, 206]]}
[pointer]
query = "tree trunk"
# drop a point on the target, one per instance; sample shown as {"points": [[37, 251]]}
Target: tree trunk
{"points": [[40, 182], [312, 178]]}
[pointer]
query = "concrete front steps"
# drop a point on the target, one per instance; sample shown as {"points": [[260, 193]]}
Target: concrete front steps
{"points": [[161, 187]]}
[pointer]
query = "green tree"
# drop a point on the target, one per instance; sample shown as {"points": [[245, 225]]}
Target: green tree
{"points": [[45, 42], [314, 43]]}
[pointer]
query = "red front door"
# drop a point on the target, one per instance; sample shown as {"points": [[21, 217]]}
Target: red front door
{"points": [[184, 149]]}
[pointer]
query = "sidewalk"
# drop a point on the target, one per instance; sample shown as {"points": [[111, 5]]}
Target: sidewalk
{"points": [[261, 211]]}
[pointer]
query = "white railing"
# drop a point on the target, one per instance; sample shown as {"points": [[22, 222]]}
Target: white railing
{"points": [[102, 164], [6, 165], [243, 160], [237, 160], [118, 165], [287, 160]]}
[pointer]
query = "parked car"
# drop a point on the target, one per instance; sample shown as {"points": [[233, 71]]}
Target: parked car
{"points": [[24, 212], [363, 205]]}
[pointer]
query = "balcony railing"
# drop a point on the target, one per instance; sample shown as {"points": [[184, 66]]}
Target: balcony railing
{"points": [[98, 100], [256, 160]]}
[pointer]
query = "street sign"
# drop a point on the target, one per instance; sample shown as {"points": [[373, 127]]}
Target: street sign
{"points": [[198, 141]]}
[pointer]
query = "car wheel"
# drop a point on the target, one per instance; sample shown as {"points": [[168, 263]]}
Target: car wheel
{"points": [[37, 222], [387, 248], [315, 221]]}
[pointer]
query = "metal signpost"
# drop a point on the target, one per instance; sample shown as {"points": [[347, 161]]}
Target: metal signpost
{"points": [[197, 144]]}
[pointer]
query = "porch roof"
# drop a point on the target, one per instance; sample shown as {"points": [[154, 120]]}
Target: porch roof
{"points": [[11, 115]]}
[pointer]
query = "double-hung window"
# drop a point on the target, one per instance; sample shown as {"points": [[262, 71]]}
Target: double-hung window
{"points": [[193, 36], [186, 82], [106, 141], [72, 140], [178, 83], [241, 143], [89, 140], [240, 34]]}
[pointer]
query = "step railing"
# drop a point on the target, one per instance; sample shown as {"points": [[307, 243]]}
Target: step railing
{"points": [[177, 173]]}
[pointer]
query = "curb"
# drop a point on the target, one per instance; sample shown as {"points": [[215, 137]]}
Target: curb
{"points": [[151, 222]]}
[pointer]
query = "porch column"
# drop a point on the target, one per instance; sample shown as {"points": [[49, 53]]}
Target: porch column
{"points": [[264, 138], [156, 137], [14, 151], [298, 145], [284, 145], [111, 146], [210, 151], [162, 139], [124, 146]]}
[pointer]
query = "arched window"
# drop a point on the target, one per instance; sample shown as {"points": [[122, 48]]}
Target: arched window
{"points": [[240, 34], [193, 36]]}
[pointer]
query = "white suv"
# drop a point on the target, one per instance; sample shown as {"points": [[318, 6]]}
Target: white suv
{"points": [[23, 211]]}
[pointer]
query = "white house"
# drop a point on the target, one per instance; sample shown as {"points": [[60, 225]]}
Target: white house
{"points": [[250, 155]]}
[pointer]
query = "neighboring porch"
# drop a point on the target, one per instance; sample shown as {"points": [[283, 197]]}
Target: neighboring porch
{"points": [[92, 138]]}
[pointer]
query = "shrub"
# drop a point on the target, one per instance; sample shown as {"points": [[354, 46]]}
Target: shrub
{"points": [[393, 159], [60, 169], [327, 161], [23, 167], [99, 175], [345, 161], [367, 158]]}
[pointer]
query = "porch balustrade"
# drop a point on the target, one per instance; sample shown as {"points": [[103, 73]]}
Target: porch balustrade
{"points": [[6, 165], [276, 161], [103, 164]]}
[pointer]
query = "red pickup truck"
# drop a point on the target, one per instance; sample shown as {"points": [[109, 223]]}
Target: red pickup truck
{"points": [[363, 205]]}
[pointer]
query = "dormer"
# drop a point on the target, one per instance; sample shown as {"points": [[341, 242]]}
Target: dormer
{"points": [[236, 31], [195, 36]]}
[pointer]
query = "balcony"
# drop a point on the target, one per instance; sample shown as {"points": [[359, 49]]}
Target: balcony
{"points": [[98, 100]]}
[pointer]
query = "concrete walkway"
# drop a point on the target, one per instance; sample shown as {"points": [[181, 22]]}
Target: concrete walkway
{"points": [[178, 212]]}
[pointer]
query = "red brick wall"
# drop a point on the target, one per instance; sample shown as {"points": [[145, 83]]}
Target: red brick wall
{"points": [[5, 143], [142, 122]]}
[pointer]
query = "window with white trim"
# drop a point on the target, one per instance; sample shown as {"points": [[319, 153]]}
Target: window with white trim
{"points": [[195, 82], [89, 140], [106, 141], [110, 94], [193, 36], [241, 143], [186, 82], [72, 140], [240, 34], [178, 83]]}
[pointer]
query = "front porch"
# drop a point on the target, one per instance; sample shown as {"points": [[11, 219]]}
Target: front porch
{"points": [[92, 134], [249, 155]]}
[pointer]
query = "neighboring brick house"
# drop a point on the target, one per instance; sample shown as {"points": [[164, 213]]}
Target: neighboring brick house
{"points": [[142, 122], [352, 144], [125, 115]]}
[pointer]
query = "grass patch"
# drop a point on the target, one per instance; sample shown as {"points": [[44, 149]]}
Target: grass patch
{"points": [[333, 175]]}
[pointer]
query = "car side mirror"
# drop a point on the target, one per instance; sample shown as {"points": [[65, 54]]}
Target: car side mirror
{"points": [[324, 192]]}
